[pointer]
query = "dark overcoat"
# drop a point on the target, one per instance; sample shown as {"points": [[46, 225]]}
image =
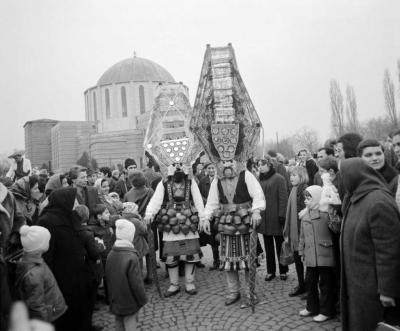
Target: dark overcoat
{"points": [[370, 247], [276, 198]]}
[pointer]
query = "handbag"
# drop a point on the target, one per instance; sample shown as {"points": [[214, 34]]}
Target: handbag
{"points": [[286, 258]]}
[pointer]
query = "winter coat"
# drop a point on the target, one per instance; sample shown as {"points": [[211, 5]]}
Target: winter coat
{"points": [[276, 198], [91, 197], [280, 169], [7, 209], [122, 187], [140, 239], [105, 233], [38, 288], [316, 240], [370, 247], [125, 287], [66, 256], [26, 208], [391, 177]]}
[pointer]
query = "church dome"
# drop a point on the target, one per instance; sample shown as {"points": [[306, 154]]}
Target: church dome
{"points": [[135, 69]]}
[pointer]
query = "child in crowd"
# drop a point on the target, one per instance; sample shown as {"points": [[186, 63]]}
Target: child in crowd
{"points": [[131, 213], [291, 231], [125, 287], [35, 282], [316, 248], [94, 270]]}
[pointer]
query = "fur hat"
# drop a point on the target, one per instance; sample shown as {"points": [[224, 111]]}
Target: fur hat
{"points": [[137, 178], [34, 238], [125, 230], [129, 162]]}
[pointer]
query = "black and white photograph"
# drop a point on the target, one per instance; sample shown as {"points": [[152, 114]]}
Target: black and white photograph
{"points": [[200, 165]]}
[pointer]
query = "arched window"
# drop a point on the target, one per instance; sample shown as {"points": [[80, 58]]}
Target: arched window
{"points": [[123, 102], [95, 106], [141, 99], [108, 112]]}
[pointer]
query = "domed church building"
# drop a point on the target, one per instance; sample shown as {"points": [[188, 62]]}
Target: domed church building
{"points": [[120, 105], [117, 111]]}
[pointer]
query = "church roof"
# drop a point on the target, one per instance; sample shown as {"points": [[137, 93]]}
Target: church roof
{"points": [[135, 69]]}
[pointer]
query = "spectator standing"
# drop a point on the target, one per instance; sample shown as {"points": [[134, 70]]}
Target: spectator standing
{"points": [[126, 287], [20, 166], [123, 185], [322, 154], [370, 250], [308, 162], [291, 231], [273, 217]]}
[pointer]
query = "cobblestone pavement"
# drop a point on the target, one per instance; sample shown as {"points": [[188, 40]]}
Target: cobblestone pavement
{"points": [[207, 311]]}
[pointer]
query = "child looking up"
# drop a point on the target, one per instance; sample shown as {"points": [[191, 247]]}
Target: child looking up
{"points": [[316, 248], [35, 282], [124, 278]]}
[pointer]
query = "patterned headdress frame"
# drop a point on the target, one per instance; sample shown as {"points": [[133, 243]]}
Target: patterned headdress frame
{"points": [[224, 119]]}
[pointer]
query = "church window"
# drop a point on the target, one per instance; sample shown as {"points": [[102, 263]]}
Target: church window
{"points": [[123, 102], [141, 99], [108, 112], [95, 106]]}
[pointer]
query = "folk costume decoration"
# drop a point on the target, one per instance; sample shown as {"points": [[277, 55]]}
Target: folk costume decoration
{"points": [[228, 128], [176, 205]]}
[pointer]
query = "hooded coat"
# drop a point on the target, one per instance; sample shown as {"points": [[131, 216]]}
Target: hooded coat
{"points": [[66, 257], [370, 248]]}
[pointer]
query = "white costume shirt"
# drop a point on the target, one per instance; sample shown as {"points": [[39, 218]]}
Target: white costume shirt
{"points": [[253, 186], [156, 202], [25, 167]]}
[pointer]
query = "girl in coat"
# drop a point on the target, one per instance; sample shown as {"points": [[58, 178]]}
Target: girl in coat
{"points": [[316, 248], [291, 231]]}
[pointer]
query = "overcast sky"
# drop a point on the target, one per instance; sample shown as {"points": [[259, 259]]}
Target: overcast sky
{"points": [[287, 52]]}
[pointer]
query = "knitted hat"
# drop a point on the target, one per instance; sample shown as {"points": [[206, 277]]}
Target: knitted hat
{"points": [[124, 230], [130, 207], [34, 238], [137, 178], [129, 162]]}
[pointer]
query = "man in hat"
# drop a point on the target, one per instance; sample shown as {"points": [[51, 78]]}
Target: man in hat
{"points": [[20, 166], [179, 200]]}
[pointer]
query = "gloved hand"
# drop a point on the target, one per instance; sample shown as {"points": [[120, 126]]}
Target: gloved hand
{"points": [[255, 219]]}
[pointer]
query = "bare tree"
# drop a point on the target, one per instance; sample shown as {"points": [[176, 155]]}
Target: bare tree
{"points": [[390, 103], [377, 128], [351, 110], [306, 138], [337, 116]]}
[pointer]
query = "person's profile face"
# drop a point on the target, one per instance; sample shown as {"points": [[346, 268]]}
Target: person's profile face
{"points": [[321, 155], [396, 145]]}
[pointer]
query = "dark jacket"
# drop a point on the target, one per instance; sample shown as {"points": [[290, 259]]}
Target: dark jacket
{"points": [[91, 199], [38, 288], [312, 169], [122, 187], [113, 182], [125, 287], [276, 197], [204, 187], [370, 247], [391, 177], [280, 169], [66, 256]]}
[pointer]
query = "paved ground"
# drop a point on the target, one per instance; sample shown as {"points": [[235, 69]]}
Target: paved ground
{"points": [[206, 310]]}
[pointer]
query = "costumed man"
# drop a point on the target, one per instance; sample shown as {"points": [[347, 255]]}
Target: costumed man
{"points": [[241, 200], [20, 166], [181, 216]]}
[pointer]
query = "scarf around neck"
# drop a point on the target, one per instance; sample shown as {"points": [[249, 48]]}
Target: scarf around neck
{"points": [[290, 231]]}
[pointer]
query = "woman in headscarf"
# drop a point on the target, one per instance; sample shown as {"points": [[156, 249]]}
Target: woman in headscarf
{"points": [[370, 249], [113, 204], [66, 258], [55, 182]]}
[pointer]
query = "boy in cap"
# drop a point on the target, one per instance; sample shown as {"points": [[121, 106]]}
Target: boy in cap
{"points": [[125, 287], [35, 282]]}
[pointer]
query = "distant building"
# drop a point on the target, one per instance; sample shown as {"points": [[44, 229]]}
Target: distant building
{"points": [[117, 111], [38, 141]]}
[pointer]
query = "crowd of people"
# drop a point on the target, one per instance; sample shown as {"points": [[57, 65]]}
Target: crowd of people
{"points": [[333, 214]]}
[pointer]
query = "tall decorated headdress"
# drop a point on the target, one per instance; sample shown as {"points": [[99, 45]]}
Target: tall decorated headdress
{"points": [[168, 137], [224, 119]]}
